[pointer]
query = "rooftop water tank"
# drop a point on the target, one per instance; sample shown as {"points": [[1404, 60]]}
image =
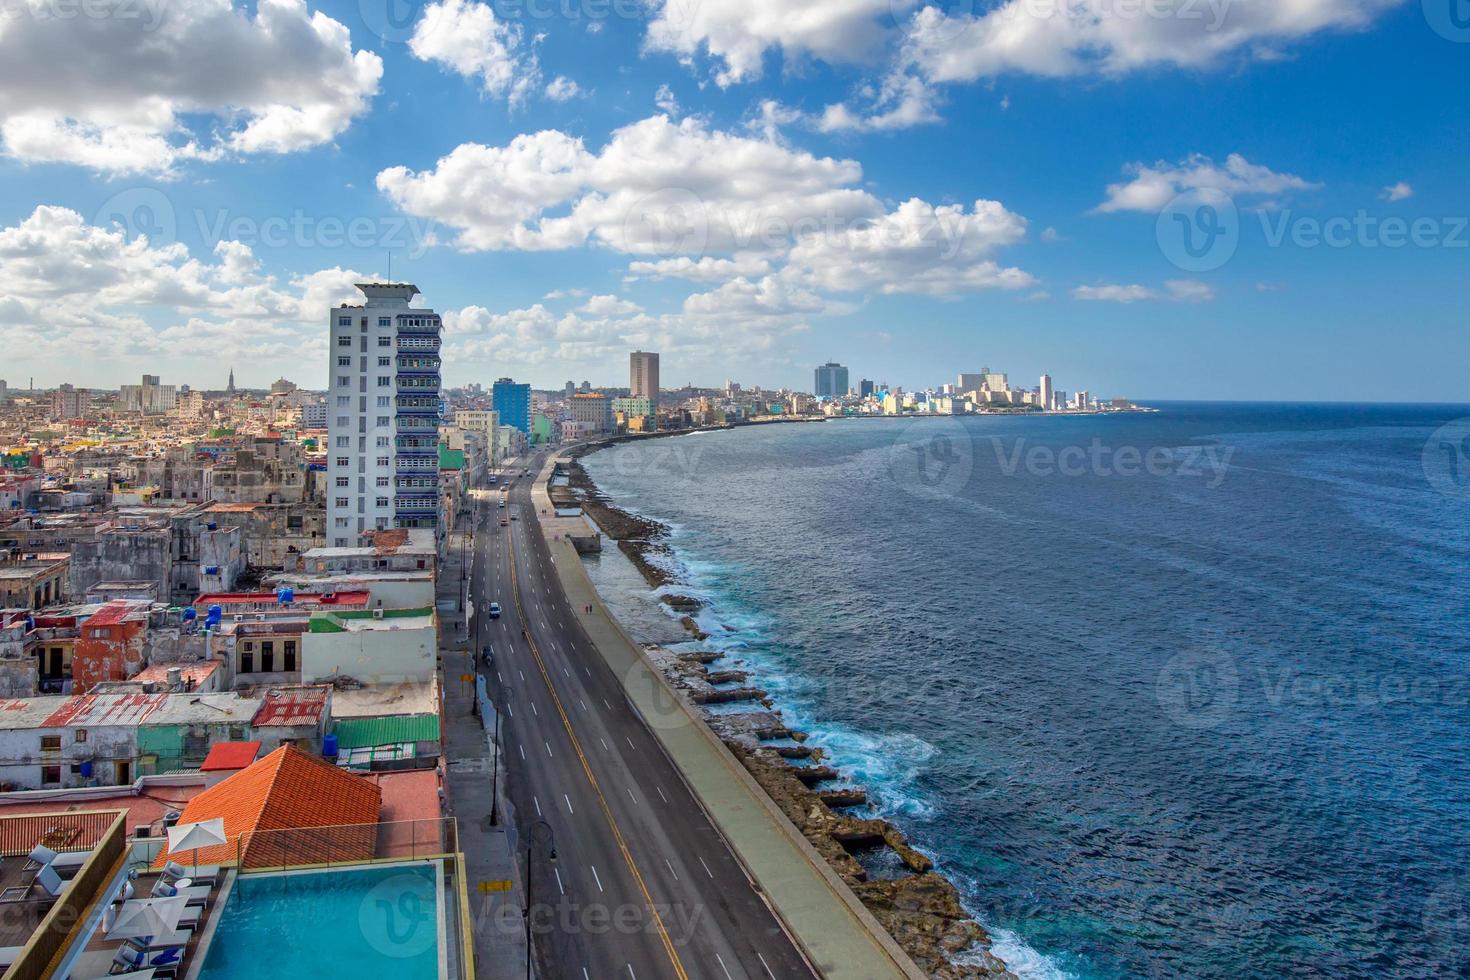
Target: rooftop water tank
{"points": [[329, 746], [86, 768], [285, 595], [190, 614], [215, 614]]}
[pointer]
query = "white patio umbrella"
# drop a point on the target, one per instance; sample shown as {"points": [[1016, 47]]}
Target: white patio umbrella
{"points": [[147, 917], [192, 836]]}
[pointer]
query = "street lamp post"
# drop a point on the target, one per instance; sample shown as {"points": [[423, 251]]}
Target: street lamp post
{"points": [[495, 757], [535, 835]]}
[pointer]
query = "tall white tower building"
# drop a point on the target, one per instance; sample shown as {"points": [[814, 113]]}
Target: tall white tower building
{"points": [[383, 408], [1047, 395], [643, 376]]}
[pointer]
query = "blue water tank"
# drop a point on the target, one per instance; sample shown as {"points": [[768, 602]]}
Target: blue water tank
{"points": [[86, 768], [211, 526], [329, 746], [215, 614], [190, 614], [211, 569], [285, 594]]}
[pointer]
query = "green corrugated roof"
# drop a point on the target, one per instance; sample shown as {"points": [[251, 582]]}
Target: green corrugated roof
{"points": [[451, 459], [356, 733]]}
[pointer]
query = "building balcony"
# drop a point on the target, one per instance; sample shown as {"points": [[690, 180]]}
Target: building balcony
{"points": [[426, 343], [418, 423], [419, 325], [418, 464], [417, 364], [418, 444], [423, 483], [416, 505]]}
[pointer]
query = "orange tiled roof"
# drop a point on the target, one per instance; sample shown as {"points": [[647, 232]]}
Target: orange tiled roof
{"points": [[287, 790]]}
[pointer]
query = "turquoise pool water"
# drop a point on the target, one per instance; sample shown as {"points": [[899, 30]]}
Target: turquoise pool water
{"points": [[320, 925]]}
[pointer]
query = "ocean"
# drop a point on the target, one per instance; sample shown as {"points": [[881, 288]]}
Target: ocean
{"points": [[1165, 694]]}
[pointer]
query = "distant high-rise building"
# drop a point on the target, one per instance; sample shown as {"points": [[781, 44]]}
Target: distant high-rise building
{"points": [[512, 404], [970, 382], [994, 381], [314, 414], [150, 397], [643, 376], [68, 402], [865, 388], [1045, 393], [592, 409], [4, 393], [831, 380], [230, 388], [383, 411], [571, 388]]}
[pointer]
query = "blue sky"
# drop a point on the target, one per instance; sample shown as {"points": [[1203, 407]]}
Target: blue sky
{"points": [[751, 187]]}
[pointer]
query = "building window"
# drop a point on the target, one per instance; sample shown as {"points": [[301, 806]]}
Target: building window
{"points": [[50, 743], [344, 362], [384, 361], [342, 502], [344, 460], [267, 657], [382, 460], [384, 380], [343, 482], [81, 735], [344, 442], [290, 656], [384, 321], [382, 501], [50, 775], [384, 401], [343, 522], [344, 341], [382, 442], [344, 321], [385, 341], [382, 481], [247, 662]]}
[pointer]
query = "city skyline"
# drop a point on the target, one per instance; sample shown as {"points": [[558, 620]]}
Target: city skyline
{"points": [[910, 196]]}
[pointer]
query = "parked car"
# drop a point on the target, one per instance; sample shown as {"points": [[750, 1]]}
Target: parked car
{"points": [[494, 613]]}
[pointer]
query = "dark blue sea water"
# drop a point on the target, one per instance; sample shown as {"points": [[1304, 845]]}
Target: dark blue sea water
{"points": [[1173, 694]]}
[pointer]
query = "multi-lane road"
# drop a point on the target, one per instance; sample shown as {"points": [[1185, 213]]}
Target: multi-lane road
{"points": [[642, 884]]}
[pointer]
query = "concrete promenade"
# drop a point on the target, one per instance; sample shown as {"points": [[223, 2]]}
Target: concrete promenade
{"points": [[839, 936]]}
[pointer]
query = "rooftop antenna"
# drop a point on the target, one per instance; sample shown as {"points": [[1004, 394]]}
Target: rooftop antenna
{"points": [[390, 265]]}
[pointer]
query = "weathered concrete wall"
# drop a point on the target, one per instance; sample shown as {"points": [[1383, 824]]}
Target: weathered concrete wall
{"points": [[123, 555], [111, 652]]}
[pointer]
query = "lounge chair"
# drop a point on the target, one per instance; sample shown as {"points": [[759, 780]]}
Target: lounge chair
{"points": [[51, 882], [40, 856], [165, 940], [205, 874], [196, 894], [130, 959], [70, 861]]}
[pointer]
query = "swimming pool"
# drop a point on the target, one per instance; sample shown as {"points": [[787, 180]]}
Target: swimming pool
{"points": [[324, 924]]}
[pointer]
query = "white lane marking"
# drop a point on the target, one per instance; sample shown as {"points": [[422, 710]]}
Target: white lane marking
{"points": [[523, 751], [631, 796], [548, 749], [538, 804], [661, 794], [534, 711], [509, 710], [522, 673], [706, 868], [724, 967], [585, 974], [582, 703], [588, 671], [630, 742], [604, 701], [564, 670], [631, 973], [671, 869], [604, 744], [559, 886], [766, 965], [595, 878], [569, 804], [500, 677]]}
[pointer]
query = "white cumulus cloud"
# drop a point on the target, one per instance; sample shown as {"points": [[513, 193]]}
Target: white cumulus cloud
{"points": [[1151, 188]]}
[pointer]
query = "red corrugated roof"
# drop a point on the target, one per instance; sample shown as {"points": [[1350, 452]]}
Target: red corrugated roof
{"points": [[291, 706], [113, 613], [230, 755]]}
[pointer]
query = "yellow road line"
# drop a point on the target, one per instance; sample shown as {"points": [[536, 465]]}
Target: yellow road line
{"points": [[612, 823]]}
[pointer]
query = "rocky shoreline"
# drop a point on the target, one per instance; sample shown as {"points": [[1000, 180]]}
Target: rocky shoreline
{"points": [[918, 906]]}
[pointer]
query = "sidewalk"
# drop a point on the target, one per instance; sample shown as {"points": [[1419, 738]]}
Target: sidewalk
{"points": [[489, 851], [839, 935]]}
